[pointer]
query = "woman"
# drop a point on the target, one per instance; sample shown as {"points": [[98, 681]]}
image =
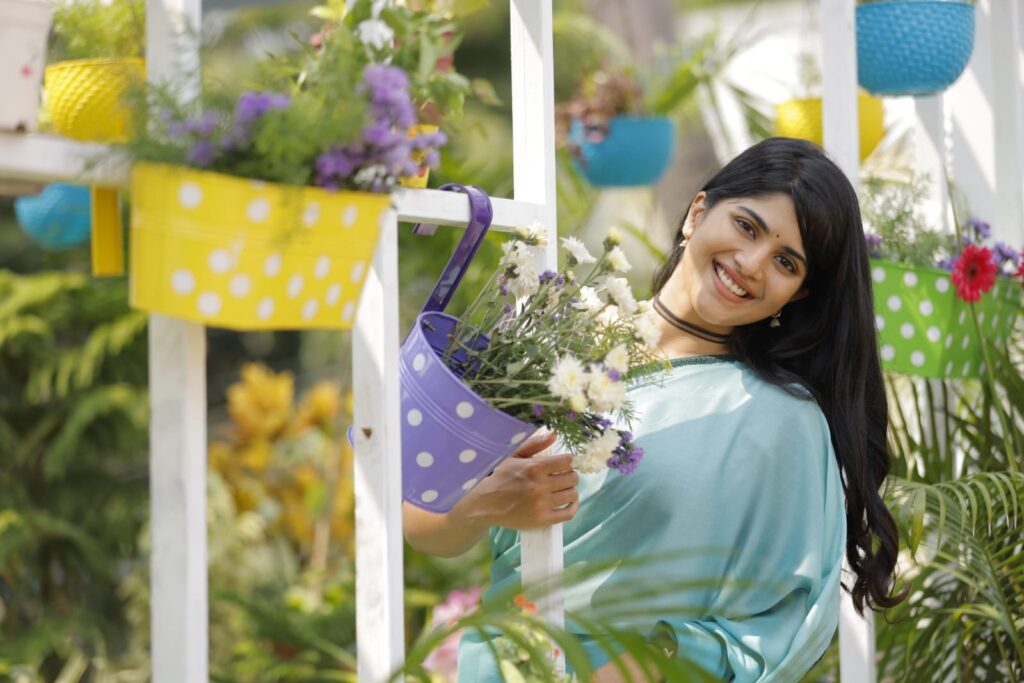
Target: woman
{"points": [[764, 448]]}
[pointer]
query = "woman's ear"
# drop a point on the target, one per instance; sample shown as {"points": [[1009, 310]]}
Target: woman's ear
{"points": [[800, 294], [695, 213]]}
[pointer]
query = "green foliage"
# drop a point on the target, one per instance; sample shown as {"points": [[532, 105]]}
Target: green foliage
{"points": [[964, 619], [73, 428], [88, 29], [890, 211]]}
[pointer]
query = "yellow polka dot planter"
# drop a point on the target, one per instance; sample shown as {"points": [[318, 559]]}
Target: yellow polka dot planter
{"points": [[924, 329], [802, 119], [247, 255]]}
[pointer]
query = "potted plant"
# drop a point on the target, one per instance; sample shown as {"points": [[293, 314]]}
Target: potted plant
{"points": [[613, 139], [261, 210], [96, 55], [924, 283], [801, 117], [913, 47], [474, 388], [58, 218], [24, 25], [420, 38]]}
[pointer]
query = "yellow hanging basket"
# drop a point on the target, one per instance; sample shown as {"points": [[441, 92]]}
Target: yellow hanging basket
{"points": [[248, 255], [419, 180], [802, 119], [84, 97]]}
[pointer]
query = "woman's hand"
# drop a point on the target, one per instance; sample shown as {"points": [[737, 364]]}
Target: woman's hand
{"points": [[610, 672], [523, 491]]}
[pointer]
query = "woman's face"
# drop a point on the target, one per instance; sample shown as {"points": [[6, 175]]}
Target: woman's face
{"points": [[744, 262]]}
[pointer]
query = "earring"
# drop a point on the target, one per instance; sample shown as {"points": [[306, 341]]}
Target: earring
{"points": [[775, 319], [683, 243]]}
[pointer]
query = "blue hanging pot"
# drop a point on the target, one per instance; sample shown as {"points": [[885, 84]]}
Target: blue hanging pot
{"points": [[635, 150], [57, 218], [913, 47]]}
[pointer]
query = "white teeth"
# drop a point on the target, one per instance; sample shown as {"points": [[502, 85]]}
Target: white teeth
{"points": [[728, 282]]}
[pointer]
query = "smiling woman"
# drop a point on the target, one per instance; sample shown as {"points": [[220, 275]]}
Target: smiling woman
{"points": [[765, 447]]}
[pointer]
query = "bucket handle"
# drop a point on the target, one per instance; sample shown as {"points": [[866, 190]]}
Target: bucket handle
{"points": [[480, 215]]}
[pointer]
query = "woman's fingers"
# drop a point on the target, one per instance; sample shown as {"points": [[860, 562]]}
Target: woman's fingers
{"points": [[538, 441]]}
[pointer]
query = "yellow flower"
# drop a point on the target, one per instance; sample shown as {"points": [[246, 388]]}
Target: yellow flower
{"points": [[319, 408], [261, 403], [255, 455]]}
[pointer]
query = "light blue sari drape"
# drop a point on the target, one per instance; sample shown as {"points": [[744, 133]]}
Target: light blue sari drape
{"points": [[740, 490]]}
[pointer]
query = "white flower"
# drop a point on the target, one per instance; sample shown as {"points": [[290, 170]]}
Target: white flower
{"points": [[589, 301], [250, 526], [526, 282], [617, 260], [614, 237], [644, 307], [609, 316], [605, 394], [618, 358], [578, 403], [516, 254], [577, 250], [534, 234], [594, 455], [647, 330], [375, 33], [568, 378], [618, 289]]}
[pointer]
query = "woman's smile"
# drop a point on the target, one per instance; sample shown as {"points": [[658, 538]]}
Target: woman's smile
{"points": [[729, 283]]}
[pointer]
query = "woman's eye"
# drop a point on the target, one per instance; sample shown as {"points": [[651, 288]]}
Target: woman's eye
{"points": [[787, 264], [745, 225]]}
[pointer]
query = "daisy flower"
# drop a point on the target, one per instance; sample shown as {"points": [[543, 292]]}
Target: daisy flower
{"points": [[605, 394], [618, 358], [974, 272], [577, 251], [594, 455], [589, 301], [618, 289], [617, 260], [568, 378]]}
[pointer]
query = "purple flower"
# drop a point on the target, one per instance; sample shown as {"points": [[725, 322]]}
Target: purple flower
{"points": [[548, 276], [432, 159], [946, 264], [538, 410], [201, 154], [379, 134], [503, 290], [334, 165], [508, 309], [202, 125], [614, 375], [251, 105], [980, 227], [603, 423], [176, 129], [1005, 253], [571, 416], [388, 88], [873, 241]]}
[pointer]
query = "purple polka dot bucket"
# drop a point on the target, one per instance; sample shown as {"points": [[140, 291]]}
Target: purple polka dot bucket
{"points": [[451, 437]]}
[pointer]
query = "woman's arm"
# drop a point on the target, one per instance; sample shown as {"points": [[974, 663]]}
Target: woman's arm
{"points": [[521, 493]]}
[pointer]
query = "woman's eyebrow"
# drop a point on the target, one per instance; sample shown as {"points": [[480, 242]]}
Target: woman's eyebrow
{"points": [[764, 227]]}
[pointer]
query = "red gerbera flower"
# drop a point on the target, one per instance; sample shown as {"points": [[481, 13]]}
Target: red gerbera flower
{"points": [[974, 272]]}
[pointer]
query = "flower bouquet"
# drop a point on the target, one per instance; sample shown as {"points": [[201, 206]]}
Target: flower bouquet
{"points": [[260, 210], [925, 283], [550, 349]]}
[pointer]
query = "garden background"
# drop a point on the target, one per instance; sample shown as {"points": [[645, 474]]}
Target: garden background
{"points": [[73, 412]]}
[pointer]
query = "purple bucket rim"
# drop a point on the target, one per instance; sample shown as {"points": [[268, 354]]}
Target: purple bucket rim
{"points": [[476, 398]]}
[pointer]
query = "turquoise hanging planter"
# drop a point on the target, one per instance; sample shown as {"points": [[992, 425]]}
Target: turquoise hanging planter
{"points": [[913, 47], [635, 151], [58, 218]]}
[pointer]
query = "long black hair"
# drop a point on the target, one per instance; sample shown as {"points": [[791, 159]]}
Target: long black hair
{"points": [[827, 341]]}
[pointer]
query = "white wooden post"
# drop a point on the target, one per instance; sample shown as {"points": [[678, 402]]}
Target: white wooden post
{"points": [[378, 469], [842, 142], [533, 135], [1007, 123], [177, 455]]}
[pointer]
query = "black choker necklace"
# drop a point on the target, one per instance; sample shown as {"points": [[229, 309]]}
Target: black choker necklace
{"points": [[689, 328]]}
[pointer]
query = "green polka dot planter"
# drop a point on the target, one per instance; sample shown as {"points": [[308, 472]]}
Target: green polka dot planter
{"points": [[924, 329]]}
